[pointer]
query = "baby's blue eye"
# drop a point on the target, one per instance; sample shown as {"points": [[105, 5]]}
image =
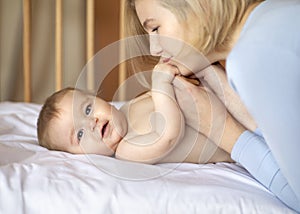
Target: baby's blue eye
{"points": [[88, 109], [80, 135]]}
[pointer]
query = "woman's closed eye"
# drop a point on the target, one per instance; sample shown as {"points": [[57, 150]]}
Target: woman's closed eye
{"points": [[155, 29]]}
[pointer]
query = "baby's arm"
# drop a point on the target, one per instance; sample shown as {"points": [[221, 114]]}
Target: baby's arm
{"points": [[167, 123]]}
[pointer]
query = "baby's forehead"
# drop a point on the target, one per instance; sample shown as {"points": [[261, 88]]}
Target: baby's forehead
{"points": [[73, 97], [59, 130], [79, 95]]}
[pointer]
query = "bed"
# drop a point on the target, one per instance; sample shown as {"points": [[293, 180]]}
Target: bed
{"points": [[36, 180]]}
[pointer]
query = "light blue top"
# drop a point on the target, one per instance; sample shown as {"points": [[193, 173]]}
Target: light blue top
{"points": [[264, 69], [253, 153]]}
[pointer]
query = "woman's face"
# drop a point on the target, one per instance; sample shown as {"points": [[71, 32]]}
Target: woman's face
{"points": [[170, 38]]}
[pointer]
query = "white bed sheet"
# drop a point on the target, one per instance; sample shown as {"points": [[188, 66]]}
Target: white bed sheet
{"points": [[35, 180]]}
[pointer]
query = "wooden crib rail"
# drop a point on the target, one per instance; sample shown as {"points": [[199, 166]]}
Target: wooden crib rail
{"points": [[58, 44], [27, 44], [27, 49], [92, 24]]}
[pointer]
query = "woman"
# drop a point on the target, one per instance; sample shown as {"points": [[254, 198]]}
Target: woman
{"points": [[260, 41]]}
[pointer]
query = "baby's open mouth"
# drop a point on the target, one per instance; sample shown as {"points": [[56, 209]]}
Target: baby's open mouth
{"points": [[104, 129]]}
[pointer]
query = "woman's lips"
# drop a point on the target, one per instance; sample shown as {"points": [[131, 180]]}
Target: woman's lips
{"points": [[166, 60]]}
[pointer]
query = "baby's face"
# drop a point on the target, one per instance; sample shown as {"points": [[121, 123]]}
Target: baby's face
{"points": [[87, 124]]}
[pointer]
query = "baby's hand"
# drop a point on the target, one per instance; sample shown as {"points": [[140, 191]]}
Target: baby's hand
{"points": [[164, 73]]}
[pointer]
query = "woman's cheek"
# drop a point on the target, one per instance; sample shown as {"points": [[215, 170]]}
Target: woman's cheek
{"points": [[171, 45]]}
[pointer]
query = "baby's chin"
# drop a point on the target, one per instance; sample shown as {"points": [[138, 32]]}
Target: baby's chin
{"points": [[112, 143], [109, 152]]}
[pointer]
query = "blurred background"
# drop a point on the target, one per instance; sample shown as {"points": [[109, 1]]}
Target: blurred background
{"points": [[107, 29]]}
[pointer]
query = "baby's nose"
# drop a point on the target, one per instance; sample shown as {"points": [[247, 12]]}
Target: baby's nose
{"points": [[93, 122]]}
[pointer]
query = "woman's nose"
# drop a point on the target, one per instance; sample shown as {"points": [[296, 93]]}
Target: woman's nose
{"points": [[155, 47]]}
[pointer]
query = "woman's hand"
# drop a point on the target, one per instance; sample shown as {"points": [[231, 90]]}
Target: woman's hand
{"points": [[215, 77], [201, 108], [204, 112]]}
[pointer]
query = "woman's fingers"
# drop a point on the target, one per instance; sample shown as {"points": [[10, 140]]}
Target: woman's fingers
{"points": [[202, 109]]}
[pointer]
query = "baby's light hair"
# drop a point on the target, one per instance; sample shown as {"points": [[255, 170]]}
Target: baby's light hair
{"points": [[48, 112]]}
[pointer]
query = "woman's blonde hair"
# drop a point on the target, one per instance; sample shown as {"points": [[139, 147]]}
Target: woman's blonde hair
{"points": [[217, 19]]}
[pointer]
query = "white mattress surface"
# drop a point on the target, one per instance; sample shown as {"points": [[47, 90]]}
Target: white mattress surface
{"points": [[35, 180]]}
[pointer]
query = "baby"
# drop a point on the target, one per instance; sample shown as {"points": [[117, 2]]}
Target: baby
{"points": [[150, 128]]}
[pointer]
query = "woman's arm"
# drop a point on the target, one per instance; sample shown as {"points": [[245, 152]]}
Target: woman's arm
{"points": [[246, 147], [167, 124], [252, 152]]}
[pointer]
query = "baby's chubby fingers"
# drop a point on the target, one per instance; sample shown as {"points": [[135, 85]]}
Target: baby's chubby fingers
{"points": [[164, 72], [166, 68]]}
